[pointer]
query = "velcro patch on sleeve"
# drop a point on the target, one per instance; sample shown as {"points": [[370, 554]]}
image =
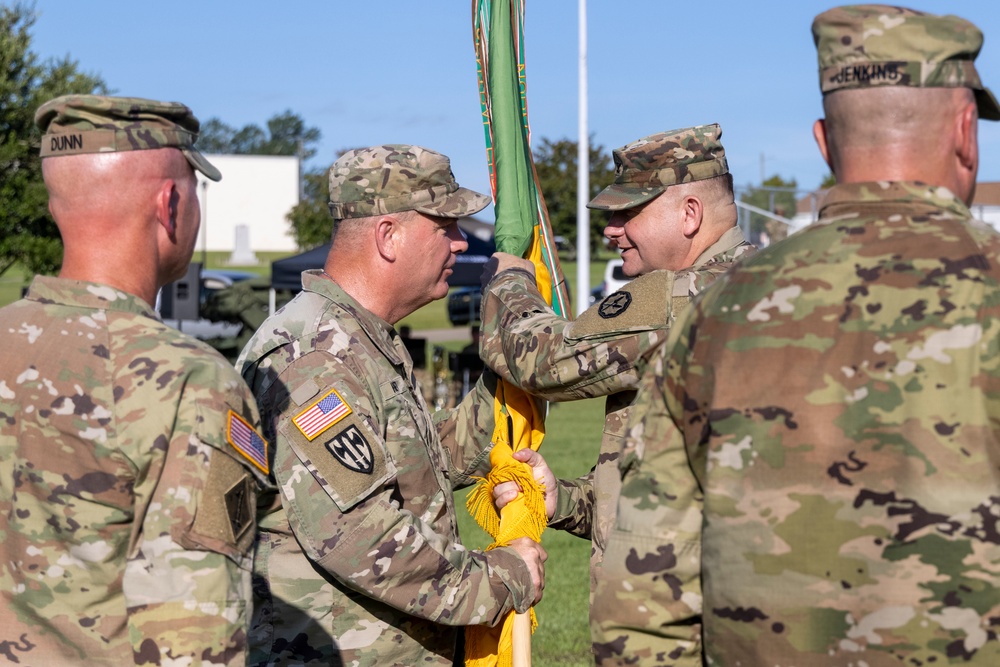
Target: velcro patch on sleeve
{"points": [[641, 305], [224, 518], [321, 415], [240, 505], [247, 441], [350, 464]]}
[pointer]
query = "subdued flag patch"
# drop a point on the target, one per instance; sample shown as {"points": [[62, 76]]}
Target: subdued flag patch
{"points": [[321, 415], [247, 441]]}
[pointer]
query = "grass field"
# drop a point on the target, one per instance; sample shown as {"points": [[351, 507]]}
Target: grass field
{"points": [[572, 440]]}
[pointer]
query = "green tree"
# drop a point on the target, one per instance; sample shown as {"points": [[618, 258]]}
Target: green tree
{"points": [[555, 163], [286, 134], [28, 236], [310, 218], [775, 195]]}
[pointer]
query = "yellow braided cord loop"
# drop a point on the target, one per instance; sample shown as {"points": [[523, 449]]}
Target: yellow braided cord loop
{"points": [[518, 417]]}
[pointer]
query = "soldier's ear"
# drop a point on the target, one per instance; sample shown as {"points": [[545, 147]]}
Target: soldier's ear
{"points": [[966, 138], [819, 133], [388, 237], [692, 212], [967, 143], [166, 202]]}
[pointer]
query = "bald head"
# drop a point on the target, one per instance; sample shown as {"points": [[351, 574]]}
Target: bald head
{"points": [[901, 133], [108, 188], [114, 208]]}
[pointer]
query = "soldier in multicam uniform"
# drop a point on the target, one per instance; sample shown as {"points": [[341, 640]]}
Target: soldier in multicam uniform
{"points": [[819, 435], [360, 563], [674, 221], [131, 455]]}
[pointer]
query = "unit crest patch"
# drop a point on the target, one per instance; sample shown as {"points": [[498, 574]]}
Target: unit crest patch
{"points": [[352, 450], [614, 305], [321, 415]]}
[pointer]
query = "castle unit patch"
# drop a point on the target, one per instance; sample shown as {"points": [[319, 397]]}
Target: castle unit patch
{"points": [[352, 450]]}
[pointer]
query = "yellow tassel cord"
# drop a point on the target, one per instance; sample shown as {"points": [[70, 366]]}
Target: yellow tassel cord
{"points": [[518, 417]]}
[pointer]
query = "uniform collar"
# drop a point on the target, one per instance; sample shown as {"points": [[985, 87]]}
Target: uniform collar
{"points": [[381, 333], [732, 238], [901, 192], [83, 294]]}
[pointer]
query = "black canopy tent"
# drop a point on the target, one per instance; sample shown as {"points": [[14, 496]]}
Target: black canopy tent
{"points": [[287, 273]]}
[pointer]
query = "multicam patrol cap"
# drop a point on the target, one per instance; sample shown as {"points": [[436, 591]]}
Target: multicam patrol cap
{"points": [[878, 45], [78, 124], [647, 167], [394, 178]]}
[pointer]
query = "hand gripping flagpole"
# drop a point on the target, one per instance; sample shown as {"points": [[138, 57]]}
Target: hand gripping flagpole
{"points": [[522, 228]]}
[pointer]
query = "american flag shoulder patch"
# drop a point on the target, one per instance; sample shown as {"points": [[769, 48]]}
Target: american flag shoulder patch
{"points": [[321, 415], [247, 441]]}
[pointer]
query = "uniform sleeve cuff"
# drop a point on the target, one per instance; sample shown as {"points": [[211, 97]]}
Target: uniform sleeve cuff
{"points": [[510, 568]]}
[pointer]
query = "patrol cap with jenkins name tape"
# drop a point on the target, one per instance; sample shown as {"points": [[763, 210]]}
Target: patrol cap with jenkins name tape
{"points": [[394, 178], [862, 46], [78, 124], [647, 167]]}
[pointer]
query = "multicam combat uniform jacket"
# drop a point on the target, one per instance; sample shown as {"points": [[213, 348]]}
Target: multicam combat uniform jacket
{"points": [[126, 516], [837, 398], [360, 563], [599, 354]]}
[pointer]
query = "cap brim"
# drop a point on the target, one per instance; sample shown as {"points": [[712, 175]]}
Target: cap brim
{"points": [[457, 204], [198, 161], [617, 197], [987, 104]]}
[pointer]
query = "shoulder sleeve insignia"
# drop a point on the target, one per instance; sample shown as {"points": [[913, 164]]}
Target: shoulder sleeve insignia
{"points": [[321, 415], [641, 305], [614, 305], [351, 449], [247, 441]]}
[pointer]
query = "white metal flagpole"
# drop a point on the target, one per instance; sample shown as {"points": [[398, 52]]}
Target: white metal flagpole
{"points": [[582, 175]]}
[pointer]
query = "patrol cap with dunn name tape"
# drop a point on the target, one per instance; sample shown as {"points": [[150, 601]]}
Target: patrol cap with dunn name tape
{"points": [[648, 166], [79, 124], [393, 178], [861, 46]]}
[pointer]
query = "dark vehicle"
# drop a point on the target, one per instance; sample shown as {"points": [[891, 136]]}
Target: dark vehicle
{"points": [[463, 305], [596, 294], [614, 280]]}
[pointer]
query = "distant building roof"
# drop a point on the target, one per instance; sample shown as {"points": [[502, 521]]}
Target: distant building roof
{"points": [[987, 194]]}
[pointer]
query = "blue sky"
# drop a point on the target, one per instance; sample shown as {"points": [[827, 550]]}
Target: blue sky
{"points": [[404, 72]]}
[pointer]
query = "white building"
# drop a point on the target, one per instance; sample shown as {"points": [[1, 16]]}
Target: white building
{"points": [[257, 191]]}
